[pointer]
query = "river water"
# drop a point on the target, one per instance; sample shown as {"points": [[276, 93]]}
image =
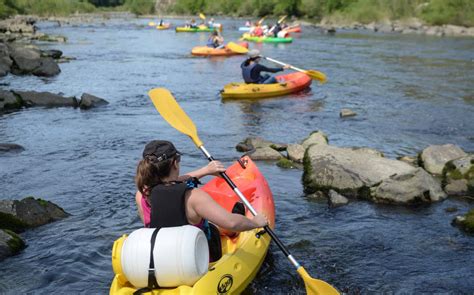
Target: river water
{"points": [[409, 92]]}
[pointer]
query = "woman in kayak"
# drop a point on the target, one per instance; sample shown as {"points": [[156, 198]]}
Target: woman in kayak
{"points": [[165, 199], [215, 40], [251, 70]]}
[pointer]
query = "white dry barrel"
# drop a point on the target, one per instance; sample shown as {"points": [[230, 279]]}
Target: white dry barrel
{"points": [[181, 256]]}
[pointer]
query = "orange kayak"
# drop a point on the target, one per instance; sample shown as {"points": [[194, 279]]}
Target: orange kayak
{"points": [[287, 84], [250, 182], [209, 51], [293, 30]]}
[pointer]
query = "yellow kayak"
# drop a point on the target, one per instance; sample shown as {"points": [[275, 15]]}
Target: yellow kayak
{"points": [[287, 84], [163, 27], [242, 255]]}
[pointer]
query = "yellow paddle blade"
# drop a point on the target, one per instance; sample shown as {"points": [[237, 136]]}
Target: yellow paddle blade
{"points": [[259, 23], [321, 77], [282, 19], [237, 48], [314, 286], [170, 110], [202, 16], [151, 24]]}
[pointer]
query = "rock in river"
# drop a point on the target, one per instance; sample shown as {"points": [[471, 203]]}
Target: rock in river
{"points": [[29, 212], [435, 157], [416, 186], [46, 99], [88, 101], [458, 176], [348, 171], [10, 243]]}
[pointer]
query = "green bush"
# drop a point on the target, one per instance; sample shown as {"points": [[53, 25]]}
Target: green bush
{"points": [[456, 12], [140, 7]]}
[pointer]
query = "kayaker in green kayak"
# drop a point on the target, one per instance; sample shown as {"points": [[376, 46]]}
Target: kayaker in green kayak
{"points": [[165, 199], [251, 70]]}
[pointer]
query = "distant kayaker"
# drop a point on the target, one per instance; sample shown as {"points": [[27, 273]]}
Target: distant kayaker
{"points": [[251, 70], [161, 23], [215, 40], [165, 199], [210, 23]]}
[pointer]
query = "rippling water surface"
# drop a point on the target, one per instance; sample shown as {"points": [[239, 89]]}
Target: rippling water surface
{"points": [[408, 91]]}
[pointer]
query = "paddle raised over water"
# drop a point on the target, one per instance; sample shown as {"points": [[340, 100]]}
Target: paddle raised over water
{"points": [[316, 75], [170, 110]]}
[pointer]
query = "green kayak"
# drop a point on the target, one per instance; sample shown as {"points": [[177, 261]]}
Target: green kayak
{"points": [[247, 37], [194, 30]]}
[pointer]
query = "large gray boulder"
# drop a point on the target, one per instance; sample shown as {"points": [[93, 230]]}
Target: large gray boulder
{"points": [[46, 99], [28, 60], [435, 157], [416, 186], [348, 171], [29, 212], [458, 176], [10, 244], [47, 68], [89, 101], [25, 60]]}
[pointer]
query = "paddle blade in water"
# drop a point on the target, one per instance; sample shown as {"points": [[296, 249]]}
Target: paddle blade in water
{"points": [[314, 286], [237, 48], [170, 110], [316, 75]]}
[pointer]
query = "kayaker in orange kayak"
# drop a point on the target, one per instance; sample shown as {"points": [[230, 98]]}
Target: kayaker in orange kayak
{"points": [[215, 40], [251, 69], [165, 200]]}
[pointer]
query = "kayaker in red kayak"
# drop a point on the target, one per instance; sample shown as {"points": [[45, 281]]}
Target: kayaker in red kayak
{"points": [[165, 200], [251, 69]]}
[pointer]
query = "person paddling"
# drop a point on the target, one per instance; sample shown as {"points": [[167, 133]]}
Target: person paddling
{"points": [[215, 40], [165, 200], [251, 69]]}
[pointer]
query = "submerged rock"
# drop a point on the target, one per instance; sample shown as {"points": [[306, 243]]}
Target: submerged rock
{"points": [[465, 222], [435, 157], [10, 243], [336, 200], [10, 147], [28, 212]]}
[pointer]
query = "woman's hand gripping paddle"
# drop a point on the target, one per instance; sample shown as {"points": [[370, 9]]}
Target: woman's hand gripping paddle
{"points": [[170, 110], [316, 75]]}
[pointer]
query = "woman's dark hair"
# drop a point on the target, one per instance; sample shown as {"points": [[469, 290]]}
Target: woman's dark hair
{"points": [[248, 60], [151, 172]]}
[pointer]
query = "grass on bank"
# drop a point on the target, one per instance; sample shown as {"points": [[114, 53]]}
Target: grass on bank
{"points": [[434, 12]]}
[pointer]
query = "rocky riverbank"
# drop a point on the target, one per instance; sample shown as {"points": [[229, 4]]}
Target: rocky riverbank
{"points": [[348, 173], [408, 26], [16, 216]]}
